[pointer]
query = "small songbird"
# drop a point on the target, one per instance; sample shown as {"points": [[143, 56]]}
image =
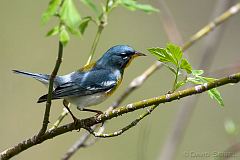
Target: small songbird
{"points": [[91, 84]]}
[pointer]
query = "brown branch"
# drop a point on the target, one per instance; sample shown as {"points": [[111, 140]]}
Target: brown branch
{"points": [[50, 90], [51, 82], [124, 129], [88, 122]]}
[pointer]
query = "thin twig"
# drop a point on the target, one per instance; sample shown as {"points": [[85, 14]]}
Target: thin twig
{"points": [[101, 25], [212, 25], [88, 122], [61, 117], [124, 129], [95, 43], [51, 82], [95, 139], [50, 90]]}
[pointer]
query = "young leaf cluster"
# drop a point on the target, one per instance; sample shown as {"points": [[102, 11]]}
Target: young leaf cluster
{"points": [[72, 22], [172, 58], [196, 78], [68, 15]]}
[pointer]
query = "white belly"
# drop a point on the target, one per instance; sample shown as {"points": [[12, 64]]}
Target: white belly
{"points": [[86, 101]]}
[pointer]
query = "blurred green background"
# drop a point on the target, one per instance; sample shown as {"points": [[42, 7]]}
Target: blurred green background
{"points": [[23, 46]]}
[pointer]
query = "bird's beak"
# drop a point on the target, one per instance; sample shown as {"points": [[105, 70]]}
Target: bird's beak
{"points": [[138, 54]]}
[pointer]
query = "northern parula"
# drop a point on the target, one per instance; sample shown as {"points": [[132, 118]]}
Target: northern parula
{"points": [[93, 83]]}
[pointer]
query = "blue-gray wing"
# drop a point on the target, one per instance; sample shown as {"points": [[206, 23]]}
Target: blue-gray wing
{"points": [[86, 84]]}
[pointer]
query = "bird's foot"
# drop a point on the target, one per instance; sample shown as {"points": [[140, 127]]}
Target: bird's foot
{"points": [[169, 92], [75, 121], [98, 113]]}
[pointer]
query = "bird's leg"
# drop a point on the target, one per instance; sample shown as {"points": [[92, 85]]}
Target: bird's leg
{"points": [[65, 103], [93, 110]]}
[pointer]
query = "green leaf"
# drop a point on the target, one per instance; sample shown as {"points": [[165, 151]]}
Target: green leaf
{"points": [[180, 83], [64, 36], [194, 80], [70, 16], [91, 4], [162, 54], [170, 68], [170, 56], [175, 50], [84, 24], [197, 72], [133, 5], [159, 53], [215, 94], [208, 79], [186, 66], [53, 31], [51, 10]]}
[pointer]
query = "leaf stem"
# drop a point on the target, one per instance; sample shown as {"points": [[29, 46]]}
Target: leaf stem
{"points": [[101, 25], [95, 43], [176, 80]]}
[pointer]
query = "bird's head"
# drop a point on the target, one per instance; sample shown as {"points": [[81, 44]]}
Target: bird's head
{"points": [[119, 57]]}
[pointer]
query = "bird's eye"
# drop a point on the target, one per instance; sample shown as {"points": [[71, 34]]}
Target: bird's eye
{"points": [[124, 55]]}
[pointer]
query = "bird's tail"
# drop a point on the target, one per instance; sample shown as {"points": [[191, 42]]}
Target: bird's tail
{"points": [[44, 78]]}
